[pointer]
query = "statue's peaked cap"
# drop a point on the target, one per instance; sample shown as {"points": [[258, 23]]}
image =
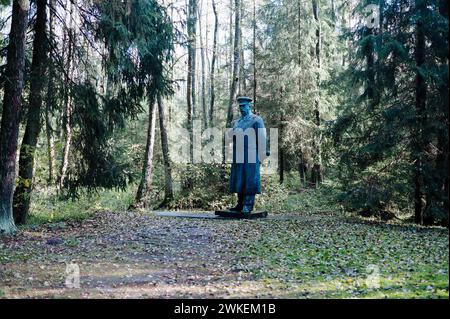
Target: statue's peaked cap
{"points": [[244, 98]]}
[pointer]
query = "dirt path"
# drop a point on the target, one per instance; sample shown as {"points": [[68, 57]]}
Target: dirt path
{"points": [[141, 255], [130, 255]]}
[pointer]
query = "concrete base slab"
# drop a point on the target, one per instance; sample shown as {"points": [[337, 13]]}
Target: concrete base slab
{"points": [[231, 214], [205, 215], [221, 214]]}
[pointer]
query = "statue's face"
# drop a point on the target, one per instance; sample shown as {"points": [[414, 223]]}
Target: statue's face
{"points": [[244, 107]]}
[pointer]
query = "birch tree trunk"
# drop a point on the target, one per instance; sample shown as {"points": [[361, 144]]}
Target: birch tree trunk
{"points": [[190, 89], [254, 56], [67, 125], [242, 84], [236, 63], [168, 185], [203, 74], [230, 51], [213, 64], [193, 15], [145, 184]]}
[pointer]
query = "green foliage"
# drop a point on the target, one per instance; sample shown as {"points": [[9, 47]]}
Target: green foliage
{"points": [[377, 126], [287, 73], [97, 160], [139, 37], [48, 207], [210, 191], [139, 40], [282, 199]]}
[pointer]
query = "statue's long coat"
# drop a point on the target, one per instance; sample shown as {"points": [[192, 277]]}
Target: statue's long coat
{"points": [[245, 176]]}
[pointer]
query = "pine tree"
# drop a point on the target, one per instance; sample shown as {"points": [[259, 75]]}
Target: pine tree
{"points": [[389, 135]]}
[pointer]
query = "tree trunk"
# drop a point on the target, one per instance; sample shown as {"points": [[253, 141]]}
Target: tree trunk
{"points": [[230, 51], [203, 74], [443, 158], [301, 166], [190, 90], [213, 64], [317, 166], [370, 62], [333, 15], [12, 96], [66, 123], [282, 159], [235, 76], [302, 169], [50, 102], [145, 184], [254, 57], [236, 64], [421, 91], [189, 103], [168, 186], [27, 150], [50, 145], [242, 84], [193, 36]]}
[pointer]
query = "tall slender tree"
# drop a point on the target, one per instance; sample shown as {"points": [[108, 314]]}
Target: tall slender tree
{"points": [[190, 82], [317, 166], [242, 87], [302, 168], [254, 86], [203, 73], [145, 184], [22, 195], [236, 62], [66, 132], [50, 103], [168, 182], [443, 138], [213, 64], [12, 104], [420, 104]]}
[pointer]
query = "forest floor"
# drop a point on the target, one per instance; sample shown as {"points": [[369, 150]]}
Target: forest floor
{"points": [[308, 255]]}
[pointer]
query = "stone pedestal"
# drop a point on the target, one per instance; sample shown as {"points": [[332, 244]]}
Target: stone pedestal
{"points": [[231, 214]]}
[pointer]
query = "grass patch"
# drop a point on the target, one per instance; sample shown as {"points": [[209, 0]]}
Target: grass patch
{"points": [[333, 257], [49, 208], [278, 198], [7, 257]]}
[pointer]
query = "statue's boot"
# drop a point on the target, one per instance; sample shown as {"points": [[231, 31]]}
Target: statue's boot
{"points": [[246, 210], [240, 204], [249, 202]]}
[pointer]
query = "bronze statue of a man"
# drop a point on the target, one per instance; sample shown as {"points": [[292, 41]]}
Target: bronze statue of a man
{"points": [[249, 149]]}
